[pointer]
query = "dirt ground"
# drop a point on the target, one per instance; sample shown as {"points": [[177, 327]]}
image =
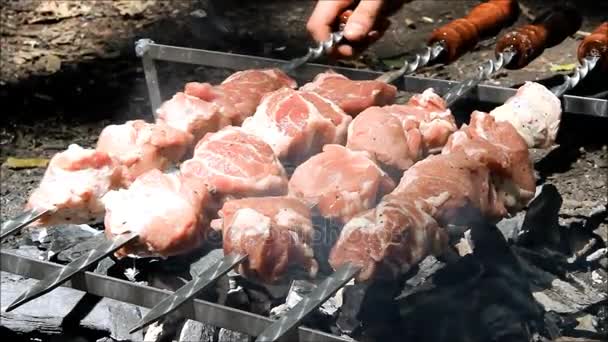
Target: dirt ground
{"points": [[68, 69]]}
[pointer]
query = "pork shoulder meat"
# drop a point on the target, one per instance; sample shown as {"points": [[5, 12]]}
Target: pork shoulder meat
{"points": [[399, 135], [166, 210], [352, 96], [73, 185], [339, 183], [483, 169], [275, 232], [238, 96], [235, 164], [297, 124], [140, 146]]}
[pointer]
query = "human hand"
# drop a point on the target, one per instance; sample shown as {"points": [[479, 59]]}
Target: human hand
{"points": [[364, 25]]}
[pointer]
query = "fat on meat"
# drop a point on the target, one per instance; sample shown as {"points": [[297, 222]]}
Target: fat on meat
{"points": [[238, 96], [140, 146], [73, 185], [428, 114], [399, 135], [236, 164], [339, 183], [297, 124], [275, 232], [535, 112], [504, 151], [166, 210], [191, 114], [352, 96]]}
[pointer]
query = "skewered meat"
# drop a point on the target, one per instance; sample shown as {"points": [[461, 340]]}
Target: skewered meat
{"points": [[140, 146], [399, 135], [596, 44], [191, 114], [275, 233], [73, 185], [352, 96], [235, 164], [296, 124], [535, 113], [340, 183], [483, 170], [486, 19], [239, 95], [166, 210], [498, 146]]}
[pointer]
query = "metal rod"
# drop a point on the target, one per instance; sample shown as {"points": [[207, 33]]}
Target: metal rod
{"points": [[142, 50], [190, 290], [487, 70], [419, 60], [12, 226], [64, 274], [314, 53], [580, 73], [311, 302], [146, 296]]}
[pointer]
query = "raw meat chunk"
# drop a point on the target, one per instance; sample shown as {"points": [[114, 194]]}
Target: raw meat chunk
{"points": [[239, 95], [140, 146], [166, 210], [235, 164], [296, 124], [275, 232], [340, 183], [352, 96], [73, 185]]}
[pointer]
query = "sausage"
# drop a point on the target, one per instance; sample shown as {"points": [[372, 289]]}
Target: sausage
{"points": [[461, 35], [529, 41], [596, 44]]}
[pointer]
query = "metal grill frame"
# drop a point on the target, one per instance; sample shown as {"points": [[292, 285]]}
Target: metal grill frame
{"points": [[212, 313], [150, 51]]}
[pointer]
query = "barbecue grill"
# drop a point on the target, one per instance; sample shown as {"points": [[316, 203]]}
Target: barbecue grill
{"points": [[215, 314]]}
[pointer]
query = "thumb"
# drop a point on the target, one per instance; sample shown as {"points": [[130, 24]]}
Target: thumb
{"points": [[362, 20]]}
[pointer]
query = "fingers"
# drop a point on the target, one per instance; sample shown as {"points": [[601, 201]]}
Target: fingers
{"points": [[362, 20], [324, 17]]}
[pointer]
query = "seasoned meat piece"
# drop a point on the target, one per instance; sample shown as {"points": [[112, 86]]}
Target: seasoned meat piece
{"points": [[73, 185], [296, 124], [504, 151], [399, 135], [166, 210], [140, 146], [275, 232], [352, 96], [191, 114], [235, 164], [339, 182], [428, 114], [381, 134], [239, 95], [535, 112]]}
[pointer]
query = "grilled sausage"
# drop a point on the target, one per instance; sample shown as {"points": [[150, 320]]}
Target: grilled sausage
{"points": [[461, 35], [596, 44], [529, 41]]}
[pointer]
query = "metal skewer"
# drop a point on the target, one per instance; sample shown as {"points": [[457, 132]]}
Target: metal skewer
{"points": [[317, 297], [314, 53], [12, 226], [581, 71], [419, 60], [190, 290], [64, 274]]}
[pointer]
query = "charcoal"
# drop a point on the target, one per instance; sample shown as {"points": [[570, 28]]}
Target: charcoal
{"points": [[597, 255], [541, 221], [30, 251], [197, 331], [236, 296], [226, 335], [348, 321], [511, 227], [80, 249], [427, 267], [260, 302], [65, 236], [104, 266], [124, 317]]}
